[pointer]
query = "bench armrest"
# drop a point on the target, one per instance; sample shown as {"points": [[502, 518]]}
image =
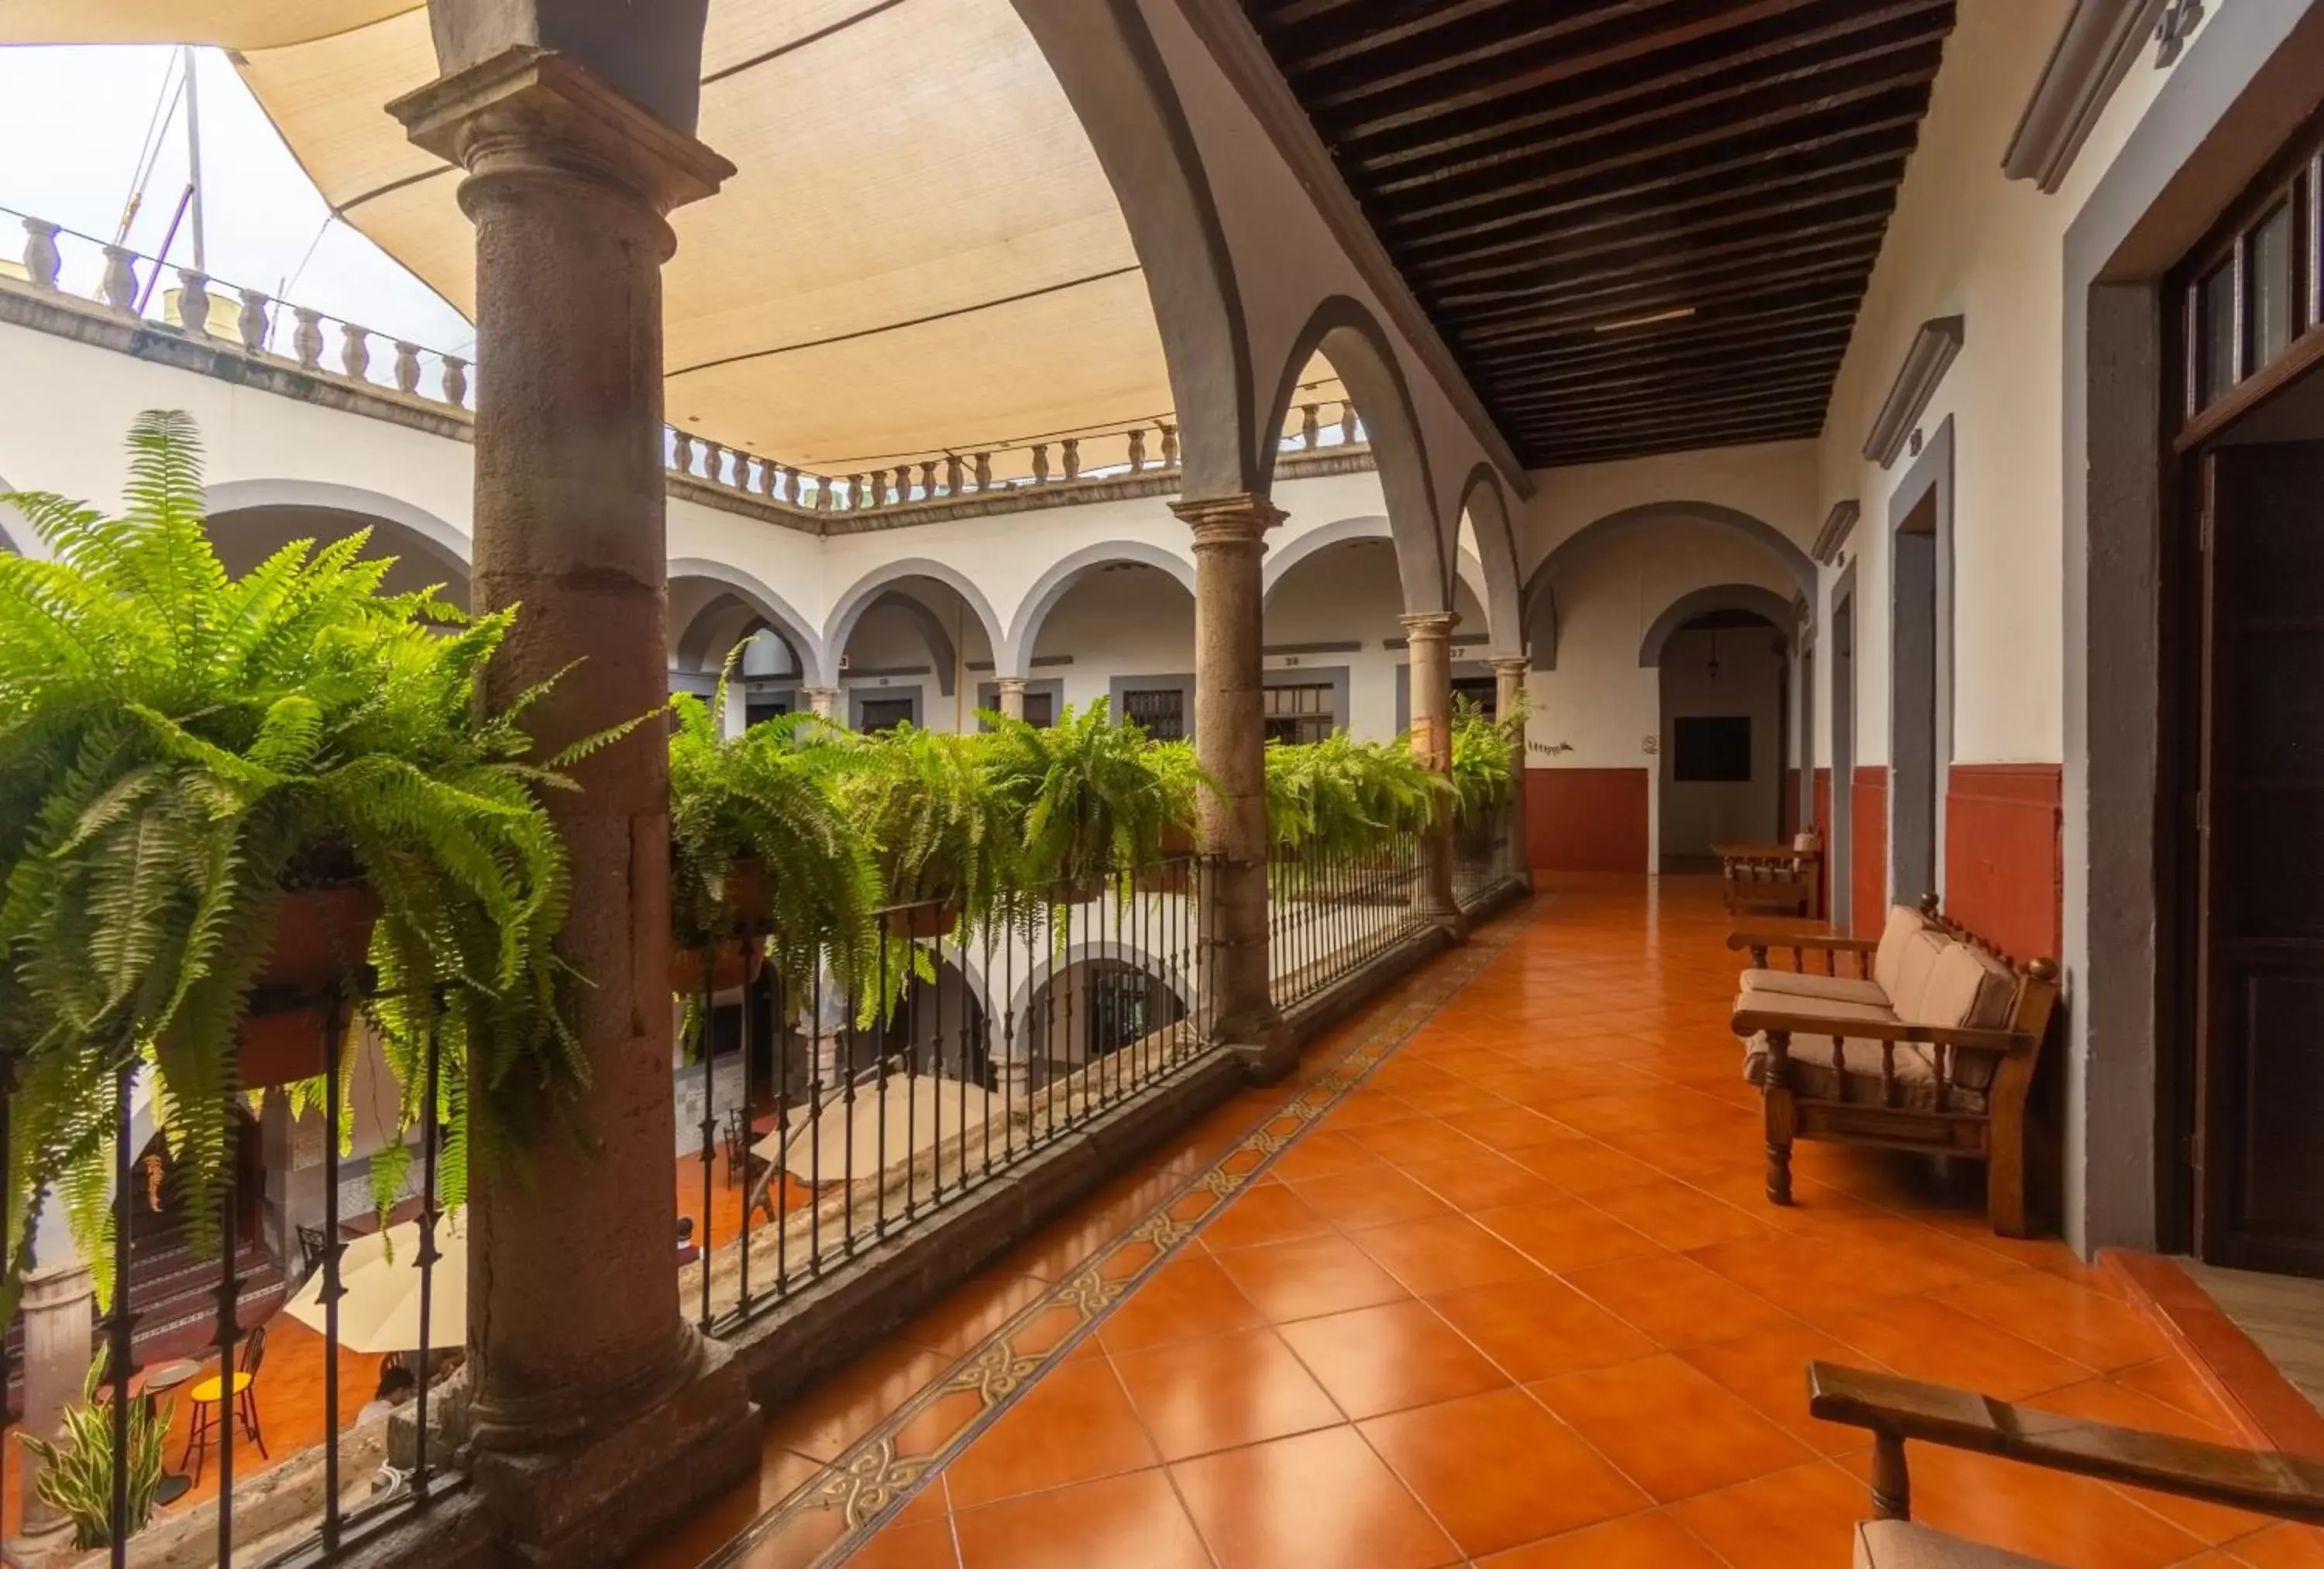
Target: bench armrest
{"points": [[2271, 1482], [1751, 1021], [1737, 942]]}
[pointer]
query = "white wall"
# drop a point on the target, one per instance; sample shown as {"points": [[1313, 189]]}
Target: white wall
{"points": [[1774, 481], [1599, 701], [1966, 241]]}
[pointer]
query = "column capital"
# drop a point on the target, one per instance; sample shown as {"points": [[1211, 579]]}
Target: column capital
{"points": [[1242, 518], [1517, 665], [1009, 682], [531, 111], [1429, 626]]}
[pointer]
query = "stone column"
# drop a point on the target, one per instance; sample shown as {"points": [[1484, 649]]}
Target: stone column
{"points": [[1012, 696], [598, 1411], [60, 1316], [1509, 703], [823, 702], [1429, 639], [1237, 1005]]}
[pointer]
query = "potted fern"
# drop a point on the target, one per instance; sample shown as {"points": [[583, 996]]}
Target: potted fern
{"points": [[763, 845], [942, 843], [1085, 795], [1483, 768], [220, 796], [76, 1476], [1179, 778]]}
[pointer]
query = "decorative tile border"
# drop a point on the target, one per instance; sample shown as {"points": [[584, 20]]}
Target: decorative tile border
{"points": [[881, 1471]]}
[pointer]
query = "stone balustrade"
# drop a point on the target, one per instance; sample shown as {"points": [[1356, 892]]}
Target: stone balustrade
{"points": [[117, 281]]}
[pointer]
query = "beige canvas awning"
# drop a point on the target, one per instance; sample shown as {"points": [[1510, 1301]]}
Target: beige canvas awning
{"points": [[920, 252]]}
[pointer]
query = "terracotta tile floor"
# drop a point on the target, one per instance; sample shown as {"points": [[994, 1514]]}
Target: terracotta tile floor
{"points": [[1513, 1300]]}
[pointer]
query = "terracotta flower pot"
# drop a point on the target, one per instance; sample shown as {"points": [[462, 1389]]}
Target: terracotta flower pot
{"points": [[322, 936], [746, 895], [737, 964], [922, 922]]}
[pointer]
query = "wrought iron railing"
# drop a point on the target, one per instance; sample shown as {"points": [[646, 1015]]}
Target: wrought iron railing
{"points": [[1483, 859], [1330, 914], [850, 1122]]}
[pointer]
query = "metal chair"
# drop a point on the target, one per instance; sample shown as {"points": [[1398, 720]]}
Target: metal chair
{"points": [[209, 1399]]}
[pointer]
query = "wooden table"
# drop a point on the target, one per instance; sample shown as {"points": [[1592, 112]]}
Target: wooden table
{"points": [[1771, 879]]}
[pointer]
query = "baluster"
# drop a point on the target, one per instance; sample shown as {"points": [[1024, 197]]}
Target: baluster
{"points": [[952, 473], [306, 338], [355, 351], [1072, 457], [1944, 1061], [1041, 463], [1137, 449], [1169, 446], [1347, 425], [193, 302], [984, 470], [1888, 1072], [119, 286], [903, 483], [456, 381], [713, 463], [407, 367], [928, 481], [779, 485], [857, 500], [682, 447], [824, 499], [251, 320], [1309, 431], [41, 259]]}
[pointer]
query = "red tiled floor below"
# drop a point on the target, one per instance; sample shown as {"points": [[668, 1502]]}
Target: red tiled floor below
{"points": [[1516, 1301]]}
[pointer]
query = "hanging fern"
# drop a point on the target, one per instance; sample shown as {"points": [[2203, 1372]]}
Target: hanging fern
{"points": [[178, 747], [773, 797], [1484, 762]]}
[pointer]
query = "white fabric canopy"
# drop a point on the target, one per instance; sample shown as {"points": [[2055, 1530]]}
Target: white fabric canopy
{"points": [[921, 252], [380, 1274]]}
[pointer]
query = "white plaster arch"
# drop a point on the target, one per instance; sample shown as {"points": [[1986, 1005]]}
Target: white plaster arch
{"points": [[1145, 961], [1112, 72], [1484, 499], [1015, 656], [1722, 596], [771, 607], [859, 598], [1539, 601], [243, 495], [1281, 558], [1351, 338]]}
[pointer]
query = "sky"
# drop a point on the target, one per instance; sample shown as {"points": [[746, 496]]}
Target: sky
{"points": [[72, 123]]}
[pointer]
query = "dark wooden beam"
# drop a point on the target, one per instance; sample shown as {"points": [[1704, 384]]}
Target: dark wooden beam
{"points": [[1852, 231], [1845, 274]]}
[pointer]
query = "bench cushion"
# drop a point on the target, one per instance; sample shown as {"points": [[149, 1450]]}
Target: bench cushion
{"points": [[1812, 1075], [1824, 1010], [1906, 1544], [1916, 963], [1905, 923], [1793, 982]]}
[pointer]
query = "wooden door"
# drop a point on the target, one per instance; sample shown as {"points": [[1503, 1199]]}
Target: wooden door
{"points": [[2260, 831]]}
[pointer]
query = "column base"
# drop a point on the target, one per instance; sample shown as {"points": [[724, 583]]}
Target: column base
{"points": [[594, 1501], [43, 1548], [1267, 1048]]}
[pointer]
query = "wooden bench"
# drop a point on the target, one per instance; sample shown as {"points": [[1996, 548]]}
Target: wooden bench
{"points": [[1770, 879], [1930, 1046], [1895, 1409]]}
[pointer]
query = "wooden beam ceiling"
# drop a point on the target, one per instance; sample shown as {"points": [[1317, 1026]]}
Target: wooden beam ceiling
{"points": [[1642, 224]]}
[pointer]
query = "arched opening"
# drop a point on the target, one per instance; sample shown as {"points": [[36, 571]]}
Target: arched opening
{"points": [[1091, 1009], [907, 644], [1724, 683], [937, 1030], [1122, 630], [712, 612], [1488, 537], [244, 536], [1343, 342]]}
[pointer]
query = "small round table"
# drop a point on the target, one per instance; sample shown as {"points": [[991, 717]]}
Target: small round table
{"points": [[159, 1381]]}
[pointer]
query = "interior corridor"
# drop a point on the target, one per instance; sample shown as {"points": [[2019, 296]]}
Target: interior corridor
{"points": [[1493, 1282]]}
